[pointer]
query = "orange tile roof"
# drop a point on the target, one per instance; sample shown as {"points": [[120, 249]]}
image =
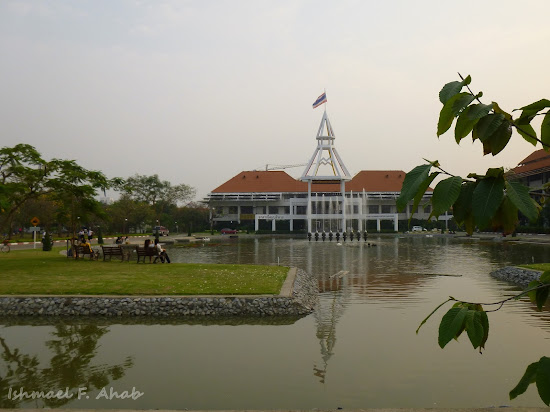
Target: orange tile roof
{"points": [[538, 161], [280, 181], [261, 181]]}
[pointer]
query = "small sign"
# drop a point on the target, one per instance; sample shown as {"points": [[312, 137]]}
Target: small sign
{"points": [[35, 221], [34, 229], [273, 217]]}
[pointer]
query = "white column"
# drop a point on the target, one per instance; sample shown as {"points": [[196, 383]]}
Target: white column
{"points": [[343, 193], [378, 225], [239, 214], [396, 222], [308, 209], [256, 223]]}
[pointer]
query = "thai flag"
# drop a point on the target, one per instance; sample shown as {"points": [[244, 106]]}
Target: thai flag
{"points": [[320, 100]]}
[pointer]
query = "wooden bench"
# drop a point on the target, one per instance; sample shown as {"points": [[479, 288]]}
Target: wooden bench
{"points": [[112, 251], [143, 252], [85, 250]]}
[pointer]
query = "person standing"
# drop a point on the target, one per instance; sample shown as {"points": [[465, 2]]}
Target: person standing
{"points": [[90, 235]]}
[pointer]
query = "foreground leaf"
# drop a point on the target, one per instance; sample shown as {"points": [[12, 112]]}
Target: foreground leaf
{"points": [[519, 195], [451, 324], [543, 379], [486, 200], [445, 194], [528, 378], [474, 328], [545, 131], [411, 184], [452, 88]]}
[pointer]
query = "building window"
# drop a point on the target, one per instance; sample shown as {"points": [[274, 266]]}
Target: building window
{"points": [[287, 210], [428, 209], [247, 210], [386, 208], [233, 210], [260, 210], [355, 209], [273, 210], [301, 210], [411, 209], [373, 209]]}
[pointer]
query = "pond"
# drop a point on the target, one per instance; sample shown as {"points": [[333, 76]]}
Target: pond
{"points": [[357, 350]]}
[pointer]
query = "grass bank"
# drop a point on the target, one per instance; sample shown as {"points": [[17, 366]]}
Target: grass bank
{"points": [[543, 267], [29, 272]]}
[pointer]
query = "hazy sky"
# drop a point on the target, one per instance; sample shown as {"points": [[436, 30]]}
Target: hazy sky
{"points": [[197, 91]]}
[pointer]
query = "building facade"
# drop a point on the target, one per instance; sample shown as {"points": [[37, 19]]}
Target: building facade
{"points": [[326, 198]]}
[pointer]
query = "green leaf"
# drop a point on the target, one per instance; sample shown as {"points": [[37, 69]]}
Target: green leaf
{"points": [[545, 130], [450, 324], [447, 114], [485, 323], [463, 205], [411, 185], [506, 217], [486, 200], [533, 293], [445, 194], [488, 125], [497, 109], [462, 102], [474, 327], [452, 88], [545, 277], [499, 139], [422, 190], [528, 378], [518, 193], [468, 119], [541, 296], [543, 379], [527, 132], [536, 106]]}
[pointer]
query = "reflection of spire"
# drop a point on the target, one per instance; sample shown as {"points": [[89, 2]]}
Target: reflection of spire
{"points": [[327, 314]]}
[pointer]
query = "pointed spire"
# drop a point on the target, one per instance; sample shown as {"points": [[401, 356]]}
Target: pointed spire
{"points": [[325, 164]]}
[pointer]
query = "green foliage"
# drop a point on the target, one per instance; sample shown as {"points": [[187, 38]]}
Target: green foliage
{"points": [[464, 317], [26, 176], [483, 201], [538, 373]]}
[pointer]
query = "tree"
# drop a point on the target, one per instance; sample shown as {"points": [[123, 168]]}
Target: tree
{"points": [[151, 189], [488, 200], [25, 175]]}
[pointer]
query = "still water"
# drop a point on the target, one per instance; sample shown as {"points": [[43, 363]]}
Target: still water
{"points": [[357, 350]]}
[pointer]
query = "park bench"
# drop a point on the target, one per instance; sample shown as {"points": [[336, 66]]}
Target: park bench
{"points": [[112, 251], [82, 251], [143, 252]]}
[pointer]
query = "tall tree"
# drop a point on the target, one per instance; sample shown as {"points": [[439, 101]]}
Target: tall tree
{"points": [[25, 175]]}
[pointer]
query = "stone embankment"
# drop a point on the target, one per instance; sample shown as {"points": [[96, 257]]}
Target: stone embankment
{"points": [[298, 296], [519, 276]]}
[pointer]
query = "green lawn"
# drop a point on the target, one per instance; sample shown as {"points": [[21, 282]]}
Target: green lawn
{"points": [[48, 273], [543, 267]]}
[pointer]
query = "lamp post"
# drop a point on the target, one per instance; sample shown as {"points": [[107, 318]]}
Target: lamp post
{"points": [[124, 228]]}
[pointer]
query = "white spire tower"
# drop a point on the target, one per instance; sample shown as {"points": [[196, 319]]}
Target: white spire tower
{"points": [[324, 167]]}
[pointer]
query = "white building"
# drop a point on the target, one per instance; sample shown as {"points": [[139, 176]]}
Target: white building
{"points": [[325, 198]]}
